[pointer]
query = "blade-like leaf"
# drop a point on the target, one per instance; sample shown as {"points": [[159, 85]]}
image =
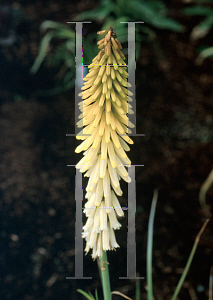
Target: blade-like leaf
{"points": [[99, 13], [42, 51], [167, 23], [202, 29], [197, 11], [88, 15], [86, 295], [52, 25], [149, 250], [157, 6], [189, 261], [140, 11], [145, 12], [209, 180], [64, 33], [70, 45], [96, 294]]}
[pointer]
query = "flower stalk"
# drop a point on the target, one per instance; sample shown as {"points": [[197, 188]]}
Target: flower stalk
{"points": [[104, 118], [104, 272]]}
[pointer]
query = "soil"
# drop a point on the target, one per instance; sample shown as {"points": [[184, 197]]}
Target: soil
{"points": [[37, 189]]}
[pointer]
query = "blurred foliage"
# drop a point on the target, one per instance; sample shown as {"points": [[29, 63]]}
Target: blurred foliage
{"points": [[110, 13], [202, 8], [63, 58], [153, 13]]}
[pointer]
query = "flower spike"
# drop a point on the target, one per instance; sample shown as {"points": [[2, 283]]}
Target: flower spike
{"points": [[105, 121]]}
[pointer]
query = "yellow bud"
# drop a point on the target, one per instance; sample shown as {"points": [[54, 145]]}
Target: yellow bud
{"points": [[115, 65], [107, 134], [108, 105], [103, 59], [118, 76], [113, 95], [117, 55], [109, 82], [108, 94], [109, 59], [108, 50], [102, 100], [97, 93], [117, 86], [104, 88], [105, 41], [121, 54], [100, 42], [107, 117], [108, 70], [113, 73], [101, 32], [101, 46], [101, 71], [104, 77], [112, 119], [97, 80], [115, 45], [108, 36], [119, 44]]}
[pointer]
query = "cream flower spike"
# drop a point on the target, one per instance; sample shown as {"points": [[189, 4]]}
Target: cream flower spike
{"points": [[105, 136]]}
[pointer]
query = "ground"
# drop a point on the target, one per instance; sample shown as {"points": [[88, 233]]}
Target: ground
{"points": [[37, 207]]}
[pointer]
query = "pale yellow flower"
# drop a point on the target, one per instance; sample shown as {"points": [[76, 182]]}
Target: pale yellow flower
{"points": [[105, 136]]}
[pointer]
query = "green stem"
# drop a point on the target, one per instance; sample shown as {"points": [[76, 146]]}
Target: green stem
{"points": [[104, 271], [149, 246], [188, 264]]}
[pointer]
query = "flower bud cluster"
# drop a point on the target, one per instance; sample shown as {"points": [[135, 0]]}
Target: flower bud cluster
{"points": [[104, 118]]}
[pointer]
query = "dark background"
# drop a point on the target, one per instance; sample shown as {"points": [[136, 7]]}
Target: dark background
{"points": [[37, 204]]}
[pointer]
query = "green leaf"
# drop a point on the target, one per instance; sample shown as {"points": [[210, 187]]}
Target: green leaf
{"points": [[198, 11], [65, 33], [207, 52], [140, 11], [202, 29], [158, 6], [70, 45], [42, 51], [61, 55], [86, 295], [149, 250], [88, 15], [167, 23], [189, 261], [52, 25], [209, 180], [145, 12], [99, 13], [96, 294], [91, 295]]}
